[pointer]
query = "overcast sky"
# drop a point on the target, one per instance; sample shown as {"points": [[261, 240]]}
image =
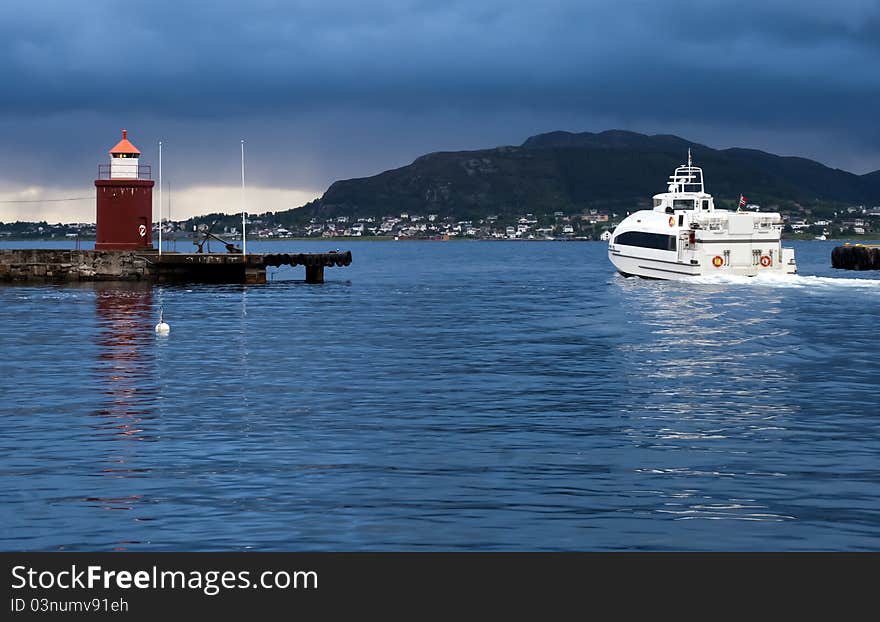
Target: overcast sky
{"points": [[338, 89]]}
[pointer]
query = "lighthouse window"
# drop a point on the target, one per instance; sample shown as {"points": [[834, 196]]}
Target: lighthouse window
{"points": [[656, 241]]}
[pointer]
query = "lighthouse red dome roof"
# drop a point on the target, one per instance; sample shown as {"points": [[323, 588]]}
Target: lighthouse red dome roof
{"points": [[124, 146]]}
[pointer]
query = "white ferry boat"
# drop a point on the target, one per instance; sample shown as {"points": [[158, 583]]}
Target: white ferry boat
{"points": [[685, 236]]}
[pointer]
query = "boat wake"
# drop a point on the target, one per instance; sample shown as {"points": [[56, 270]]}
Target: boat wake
{"points": [[793, 281]]}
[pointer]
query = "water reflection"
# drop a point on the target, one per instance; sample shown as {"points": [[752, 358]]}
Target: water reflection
{"points": [[706, 388], [123, 370], [126, 388], [124, 356]]}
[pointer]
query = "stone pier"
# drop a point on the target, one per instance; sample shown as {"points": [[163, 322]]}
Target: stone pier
{"points": [[71, 265], [29, 265]]}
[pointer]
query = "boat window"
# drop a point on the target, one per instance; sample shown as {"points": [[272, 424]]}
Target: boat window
{"points": [[705, 203], [683, 203], [647, 240], [658, 202]]}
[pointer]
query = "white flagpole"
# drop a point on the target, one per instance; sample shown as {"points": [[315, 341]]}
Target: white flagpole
{"points": [[160, 198], [173, 237], [243, 213]]}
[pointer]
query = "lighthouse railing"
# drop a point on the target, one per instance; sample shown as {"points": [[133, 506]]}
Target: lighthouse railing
{"points": [[144, 171]]}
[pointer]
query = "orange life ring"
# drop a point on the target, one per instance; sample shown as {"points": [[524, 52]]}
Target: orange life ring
{"points": [[672, 221], [717, 261], [766, 261]]}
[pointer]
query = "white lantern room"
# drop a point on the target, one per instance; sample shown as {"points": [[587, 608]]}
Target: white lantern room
{"points": [[124, 159]]}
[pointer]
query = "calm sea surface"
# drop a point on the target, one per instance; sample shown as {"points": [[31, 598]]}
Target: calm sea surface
{"points": [[461, 396]]}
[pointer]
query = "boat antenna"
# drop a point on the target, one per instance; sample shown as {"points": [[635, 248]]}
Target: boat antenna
{"points": [[690, 162]]}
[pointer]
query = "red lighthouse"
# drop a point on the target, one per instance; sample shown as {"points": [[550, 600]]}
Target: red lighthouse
{"points": [[125, 201]]}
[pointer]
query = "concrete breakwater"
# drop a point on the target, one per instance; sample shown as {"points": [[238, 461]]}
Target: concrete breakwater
{"points": [[45, 265]]}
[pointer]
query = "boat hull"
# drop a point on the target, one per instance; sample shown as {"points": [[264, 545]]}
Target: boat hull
{"points": [[645, 267], [670, 268]]}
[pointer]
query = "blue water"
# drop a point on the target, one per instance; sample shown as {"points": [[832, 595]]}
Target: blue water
{"points": [[456, 396]]}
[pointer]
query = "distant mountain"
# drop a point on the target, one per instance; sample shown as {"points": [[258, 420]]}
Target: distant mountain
{"points": [[872, 178], [610, 139], [569, 172]]}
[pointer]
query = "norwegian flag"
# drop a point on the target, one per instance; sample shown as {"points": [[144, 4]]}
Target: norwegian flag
{"points": [[742, 201]]}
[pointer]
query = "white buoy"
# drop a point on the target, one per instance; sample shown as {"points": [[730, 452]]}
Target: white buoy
{"points": [[162, 328]]}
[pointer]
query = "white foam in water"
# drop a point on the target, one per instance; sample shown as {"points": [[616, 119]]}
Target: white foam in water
{"points": [[786, 280]]}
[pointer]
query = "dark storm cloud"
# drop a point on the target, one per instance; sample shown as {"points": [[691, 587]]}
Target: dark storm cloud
{"points": [[355, 86]]}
